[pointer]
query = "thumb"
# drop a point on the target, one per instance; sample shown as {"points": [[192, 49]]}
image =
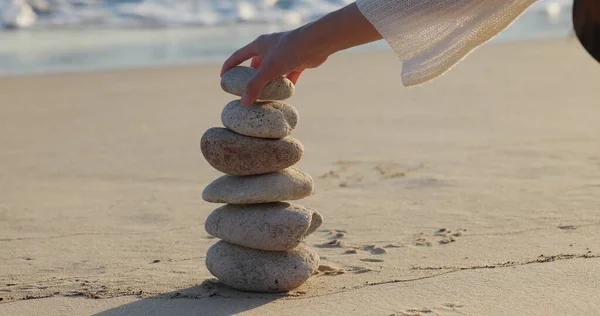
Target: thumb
{"points": [[295, 75]]}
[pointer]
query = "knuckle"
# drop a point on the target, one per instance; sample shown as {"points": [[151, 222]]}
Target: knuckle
{"points": [[264, 41], [261, 40], [232, 59]]}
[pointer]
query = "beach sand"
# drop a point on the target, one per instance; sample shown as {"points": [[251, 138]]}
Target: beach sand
{"points": [[477, 193]]}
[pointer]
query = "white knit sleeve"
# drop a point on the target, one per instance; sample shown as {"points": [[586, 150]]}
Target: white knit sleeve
{"points": [[431, 36]]}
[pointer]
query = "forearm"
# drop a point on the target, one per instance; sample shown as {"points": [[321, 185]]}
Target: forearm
{"points": [[338, 30]]}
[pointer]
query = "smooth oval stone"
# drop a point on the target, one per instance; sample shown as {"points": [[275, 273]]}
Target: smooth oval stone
{"points": [[267, 119], [234, 81], [255, 270], [285, 185], [271, 226], [240, 155]]}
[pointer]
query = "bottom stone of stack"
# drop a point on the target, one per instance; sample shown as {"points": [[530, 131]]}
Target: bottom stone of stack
{"points": [[255, 270]]}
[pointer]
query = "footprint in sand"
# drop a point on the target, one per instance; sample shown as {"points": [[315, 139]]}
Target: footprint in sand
{"points": [[373, 249], [421, 241], [453, 305], [337, 233], [448, 236], [416, 312], [350, 173], [371, 260], [336, 243], [359, 270], [328, 270], [393, 245], [392, 170], [331, 174], [448, 307], [567, 227]]}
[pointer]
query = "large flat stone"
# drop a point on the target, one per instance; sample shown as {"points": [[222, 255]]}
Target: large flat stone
{"points": [[240, 155], [255, 270], [271, 226]]}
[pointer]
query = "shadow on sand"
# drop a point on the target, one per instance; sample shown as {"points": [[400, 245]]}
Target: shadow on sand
{"points": [[209, 298]]}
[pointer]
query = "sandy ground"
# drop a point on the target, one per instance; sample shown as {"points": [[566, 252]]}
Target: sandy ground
{"points": [[478, 193]]}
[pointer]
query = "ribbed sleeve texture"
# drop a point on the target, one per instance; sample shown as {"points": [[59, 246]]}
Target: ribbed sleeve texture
{"points": [[431, 36]]}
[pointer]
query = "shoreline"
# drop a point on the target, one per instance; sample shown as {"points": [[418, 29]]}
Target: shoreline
{"points": [[376, 47]]}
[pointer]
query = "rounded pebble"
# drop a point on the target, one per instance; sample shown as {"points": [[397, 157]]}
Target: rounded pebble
{"points": [[234, 81], [255, 270], [240, 155], [267, 119], [271, 226]]}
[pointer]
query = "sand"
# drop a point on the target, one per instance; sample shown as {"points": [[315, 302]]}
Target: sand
{"points": [[475, 194]]}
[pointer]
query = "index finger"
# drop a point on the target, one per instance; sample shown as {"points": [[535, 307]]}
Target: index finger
{"points": [[240, 56]]}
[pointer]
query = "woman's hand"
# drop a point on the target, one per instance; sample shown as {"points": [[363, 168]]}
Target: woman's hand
{"points": [[274, 55], [290, 53]]}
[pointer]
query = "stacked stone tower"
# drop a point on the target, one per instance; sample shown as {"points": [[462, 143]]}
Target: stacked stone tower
{"points": [[261, 236]]}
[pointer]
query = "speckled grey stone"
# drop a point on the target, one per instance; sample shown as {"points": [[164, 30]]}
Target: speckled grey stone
{"points": [[272, 226], [285, 185], [240, 155], [255, 270], [268, 119], [234, 81]]}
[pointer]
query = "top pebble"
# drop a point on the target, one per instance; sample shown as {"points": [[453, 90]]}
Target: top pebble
{"points": [[235, 80]]}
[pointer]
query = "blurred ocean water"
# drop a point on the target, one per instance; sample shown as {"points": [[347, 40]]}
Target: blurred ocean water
{"points": [[41, 36]]}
